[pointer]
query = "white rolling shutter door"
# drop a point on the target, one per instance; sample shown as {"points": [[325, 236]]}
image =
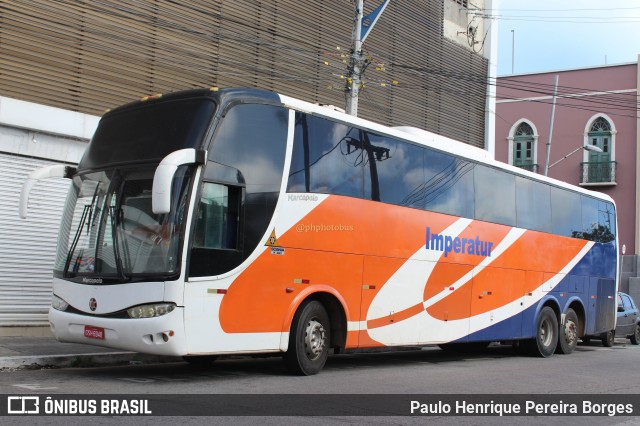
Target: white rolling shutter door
{"points": [[27, 246]]}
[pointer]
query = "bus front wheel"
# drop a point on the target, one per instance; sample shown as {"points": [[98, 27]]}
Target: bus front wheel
{"points": [[308, 340], [546, 339]]}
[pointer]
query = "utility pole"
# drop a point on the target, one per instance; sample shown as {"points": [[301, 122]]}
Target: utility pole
{"points": [[553, 111], [513, 51], [354, 78], [357, 63]]}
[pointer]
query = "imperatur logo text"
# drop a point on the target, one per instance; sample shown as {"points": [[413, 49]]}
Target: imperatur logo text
{"points": [[447, 244]]}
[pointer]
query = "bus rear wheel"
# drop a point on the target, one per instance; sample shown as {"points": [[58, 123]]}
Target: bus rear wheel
{"points": [[546, 339], [308, 340], [568, 333]]}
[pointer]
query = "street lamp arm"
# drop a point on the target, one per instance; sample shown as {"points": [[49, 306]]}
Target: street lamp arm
{"points": [[565, 157], [585, 147]]}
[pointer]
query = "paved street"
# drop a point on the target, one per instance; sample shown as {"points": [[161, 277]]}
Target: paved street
{"points": [[591, 369]]}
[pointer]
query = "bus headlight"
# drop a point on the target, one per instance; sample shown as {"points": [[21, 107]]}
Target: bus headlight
{"points": [[58, 304], [150, 311]]}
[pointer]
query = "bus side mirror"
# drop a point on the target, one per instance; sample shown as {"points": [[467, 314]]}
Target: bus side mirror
{"points": [[163, 176], [54, 171]]}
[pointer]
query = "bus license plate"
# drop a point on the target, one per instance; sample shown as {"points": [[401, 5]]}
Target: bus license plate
{"points": [[94, 332]]}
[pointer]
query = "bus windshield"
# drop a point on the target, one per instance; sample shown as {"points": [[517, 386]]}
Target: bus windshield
{"points": [[109, 230]]}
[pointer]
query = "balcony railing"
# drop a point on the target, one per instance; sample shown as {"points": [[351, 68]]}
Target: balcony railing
{"points": [[531, 167], [598, 173]]}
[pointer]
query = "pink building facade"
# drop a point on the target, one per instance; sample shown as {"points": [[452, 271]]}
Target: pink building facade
{"points": [[593, 107]]}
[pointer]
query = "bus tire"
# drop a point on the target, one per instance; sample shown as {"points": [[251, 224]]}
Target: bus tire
{"points": [[308, 340], [608, 338], [546, 339], [568, 333]]}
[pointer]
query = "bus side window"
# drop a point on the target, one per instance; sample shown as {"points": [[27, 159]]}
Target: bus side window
{"points": [[216, 231], [606, 222]]}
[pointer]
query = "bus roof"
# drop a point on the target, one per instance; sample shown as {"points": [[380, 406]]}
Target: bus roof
{"points": [[412, 134]]}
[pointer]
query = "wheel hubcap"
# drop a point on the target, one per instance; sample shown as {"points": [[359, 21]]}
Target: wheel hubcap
{"points": [[545, 333], [570, 332], [314, 340]]}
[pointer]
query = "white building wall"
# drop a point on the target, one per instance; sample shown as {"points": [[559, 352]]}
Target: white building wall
{"points": [[32, 136]]}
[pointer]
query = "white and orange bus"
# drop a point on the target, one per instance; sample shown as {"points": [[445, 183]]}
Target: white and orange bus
{"points": [[241, 221]]}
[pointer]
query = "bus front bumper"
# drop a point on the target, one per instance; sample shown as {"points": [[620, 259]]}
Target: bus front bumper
{"points": [[162, 335]]}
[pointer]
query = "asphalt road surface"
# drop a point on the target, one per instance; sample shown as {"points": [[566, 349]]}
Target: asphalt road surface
{"points": [[403, 375]]}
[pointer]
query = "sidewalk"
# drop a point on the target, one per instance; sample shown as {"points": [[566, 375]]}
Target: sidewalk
{"points": [[47, 352]]}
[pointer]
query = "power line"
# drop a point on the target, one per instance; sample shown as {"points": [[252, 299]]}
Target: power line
{"points": [[297, 51], [565, 10]]}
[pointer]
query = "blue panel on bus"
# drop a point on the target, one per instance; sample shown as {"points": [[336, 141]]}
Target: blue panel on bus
{"points": [[594, 292]]}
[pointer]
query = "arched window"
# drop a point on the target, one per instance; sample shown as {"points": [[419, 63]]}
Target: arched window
{"points": [[600, 136], [524, 147], [601, 167]]}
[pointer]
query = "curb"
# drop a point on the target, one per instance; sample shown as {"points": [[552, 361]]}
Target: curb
{"points": [[80, 360]]}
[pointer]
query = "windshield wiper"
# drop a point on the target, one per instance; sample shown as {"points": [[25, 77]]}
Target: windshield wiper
{"points": [[85, 213], [116, 243], [93, 203]]}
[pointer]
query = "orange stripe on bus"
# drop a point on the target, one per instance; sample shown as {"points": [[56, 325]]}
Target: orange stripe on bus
{"points": [[258, 300], [361, 227], [444, 275], [505, 281], [332, 239], [396, 316]]}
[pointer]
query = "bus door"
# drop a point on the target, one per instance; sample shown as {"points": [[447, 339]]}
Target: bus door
{"points": [[601, 308], [214, 251]]}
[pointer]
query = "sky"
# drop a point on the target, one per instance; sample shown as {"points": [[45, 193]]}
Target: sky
{"points": [[553, 35]]}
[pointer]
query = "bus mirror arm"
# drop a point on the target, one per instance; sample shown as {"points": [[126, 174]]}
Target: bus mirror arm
{"points": [[53, 171], [163, 176]]}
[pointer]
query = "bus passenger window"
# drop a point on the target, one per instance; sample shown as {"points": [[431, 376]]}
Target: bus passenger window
{"points": [[495, 196], [606, 222], [327, 158], [448, 184], [590, 228], [217, 218], [533, 205], [566, 213], [214, 249]]}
